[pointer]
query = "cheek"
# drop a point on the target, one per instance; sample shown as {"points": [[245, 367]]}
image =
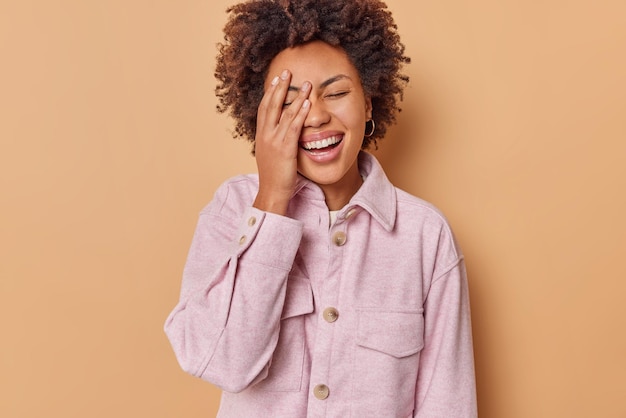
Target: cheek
{"points": [[352, 115]]}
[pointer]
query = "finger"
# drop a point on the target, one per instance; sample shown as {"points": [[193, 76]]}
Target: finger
{"points": [[289, 112], [278, 97], [265, 104], [298, 111], [295, 128]]}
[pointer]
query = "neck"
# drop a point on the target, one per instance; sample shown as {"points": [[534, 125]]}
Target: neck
{"points": [[339, 194]]}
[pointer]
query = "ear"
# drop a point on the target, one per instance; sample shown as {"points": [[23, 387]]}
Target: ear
{"points": [[368, 107]]}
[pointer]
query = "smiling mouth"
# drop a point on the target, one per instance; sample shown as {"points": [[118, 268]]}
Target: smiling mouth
{"points": [[322, 144]]}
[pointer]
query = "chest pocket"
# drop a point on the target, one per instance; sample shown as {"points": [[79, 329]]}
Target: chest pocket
{"points": [[286, 369], [396, 333]]}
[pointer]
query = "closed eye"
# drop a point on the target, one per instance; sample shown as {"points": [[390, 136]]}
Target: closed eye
{"points": [[288, 101], [337, 95]]}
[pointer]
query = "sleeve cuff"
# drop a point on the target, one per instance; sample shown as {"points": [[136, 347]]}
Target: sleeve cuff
{"points": [[268, 238]]}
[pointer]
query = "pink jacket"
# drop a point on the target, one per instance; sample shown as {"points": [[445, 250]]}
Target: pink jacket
{"points": [[295, 317]]}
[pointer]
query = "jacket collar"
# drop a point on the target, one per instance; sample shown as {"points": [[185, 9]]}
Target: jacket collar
{"points": [[376, 195]]}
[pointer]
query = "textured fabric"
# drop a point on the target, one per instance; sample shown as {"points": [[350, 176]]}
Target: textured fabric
{"points": [[374, 307]]}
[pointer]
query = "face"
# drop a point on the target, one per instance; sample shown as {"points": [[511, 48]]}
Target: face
{"points": [[333, 130]]}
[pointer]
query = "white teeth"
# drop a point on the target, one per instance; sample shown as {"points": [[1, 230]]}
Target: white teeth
{"points": [[322, 143]]}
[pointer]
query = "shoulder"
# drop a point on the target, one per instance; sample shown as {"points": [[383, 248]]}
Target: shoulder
{"points": [[415, 206], [416, 214], [233, 195]]}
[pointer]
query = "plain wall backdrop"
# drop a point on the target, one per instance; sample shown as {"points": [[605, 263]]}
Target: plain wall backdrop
{"points": [[514, 124]]}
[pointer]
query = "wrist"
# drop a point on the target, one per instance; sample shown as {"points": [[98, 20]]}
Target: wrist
{"points": [[273, 204]]}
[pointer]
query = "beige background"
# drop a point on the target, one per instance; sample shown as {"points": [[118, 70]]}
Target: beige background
{"points": [[514, 125]]}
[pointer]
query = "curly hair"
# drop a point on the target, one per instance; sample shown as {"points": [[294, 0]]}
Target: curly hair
{"points": [[258, 30]]}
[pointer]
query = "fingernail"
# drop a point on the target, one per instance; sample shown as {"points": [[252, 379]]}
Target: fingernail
{"points": [[275, 81], [305, 86], [284, 75], [306, 103]]}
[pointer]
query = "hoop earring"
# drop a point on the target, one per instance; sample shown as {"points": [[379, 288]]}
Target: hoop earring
{"points": [[373, 128]]}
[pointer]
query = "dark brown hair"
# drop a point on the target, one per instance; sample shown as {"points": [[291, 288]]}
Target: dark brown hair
{"points": [[258, 30]]}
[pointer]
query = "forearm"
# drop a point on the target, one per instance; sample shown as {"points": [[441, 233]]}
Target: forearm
{"points": [[446, 383], [226, 325]]}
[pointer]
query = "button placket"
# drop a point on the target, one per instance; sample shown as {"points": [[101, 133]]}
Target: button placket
{"points": [[322, 364]]}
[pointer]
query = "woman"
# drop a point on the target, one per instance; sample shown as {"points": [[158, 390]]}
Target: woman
{"points": [[318, 289]]}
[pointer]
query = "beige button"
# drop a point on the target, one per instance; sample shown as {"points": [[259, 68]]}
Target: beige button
{"points": [[339, 238], [251, 221], [330, 314], [350, 213], [242, 240], [321, 392]]}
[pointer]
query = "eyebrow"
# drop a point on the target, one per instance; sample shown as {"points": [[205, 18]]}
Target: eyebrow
{"points": [[325, 83]]}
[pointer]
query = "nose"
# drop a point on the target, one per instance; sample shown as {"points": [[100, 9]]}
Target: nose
{"points": [[318, 114]]}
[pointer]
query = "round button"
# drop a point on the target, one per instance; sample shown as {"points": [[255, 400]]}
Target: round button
{"points": [[339, 238], [242, 240], [330, 314], [251, 221], [350, 213], [321, 392]]}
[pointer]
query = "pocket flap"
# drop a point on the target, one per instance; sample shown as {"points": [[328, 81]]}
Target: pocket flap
{"points": [[299, 298], [397, 333]]}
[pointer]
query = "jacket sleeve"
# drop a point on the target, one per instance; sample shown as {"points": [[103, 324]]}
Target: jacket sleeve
{"points": [[446, 383], [225, 327]]}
